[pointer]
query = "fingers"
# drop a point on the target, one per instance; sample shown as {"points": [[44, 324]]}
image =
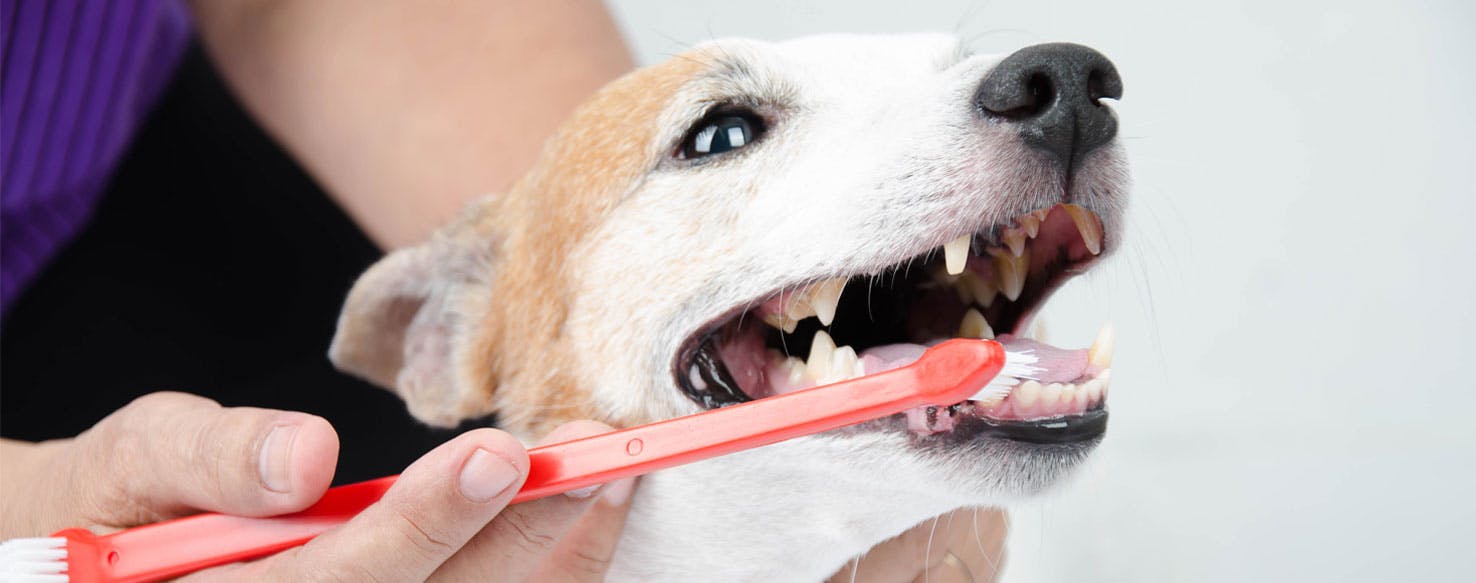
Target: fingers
{"points": [[170, 454], [438, 504], [585, 553], [967, 542], [519, 540]]}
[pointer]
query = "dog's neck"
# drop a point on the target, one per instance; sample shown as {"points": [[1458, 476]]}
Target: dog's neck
{"points": [[792, 511]]}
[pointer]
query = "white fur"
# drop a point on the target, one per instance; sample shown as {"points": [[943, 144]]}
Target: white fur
{"points": [[877, 157], [875, 154]]}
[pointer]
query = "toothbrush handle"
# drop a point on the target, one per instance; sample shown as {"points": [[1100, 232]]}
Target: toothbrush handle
{"points": [[948, 373]]}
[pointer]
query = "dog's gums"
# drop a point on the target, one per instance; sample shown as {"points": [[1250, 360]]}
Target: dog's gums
{"points": [[996, 278]]}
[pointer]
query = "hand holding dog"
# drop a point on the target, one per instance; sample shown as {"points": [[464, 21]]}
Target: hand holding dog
{"points": [[168, 455]]}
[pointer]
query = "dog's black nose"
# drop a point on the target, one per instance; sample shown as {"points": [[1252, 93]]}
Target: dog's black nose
{"points": [[1052, 94]]}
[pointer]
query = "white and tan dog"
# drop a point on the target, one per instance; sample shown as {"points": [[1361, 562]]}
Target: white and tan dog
{"points": [[698, 222]]}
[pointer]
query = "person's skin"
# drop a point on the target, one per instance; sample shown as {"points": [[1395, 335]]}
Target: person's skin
{"points": [[402, 111], [168, 455]]}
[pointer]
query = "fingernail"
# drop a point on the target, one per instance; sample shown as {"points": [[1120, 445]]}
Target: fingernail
{"points": [[618, 492], [274, 465], [486, 475]]}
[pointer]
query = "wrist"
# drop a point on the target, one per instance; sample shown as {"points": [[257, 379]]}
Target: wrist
{"points": [[25, 468]]}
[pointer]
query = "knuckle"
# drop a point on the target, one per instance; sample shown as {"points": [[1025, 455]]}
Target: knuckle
{"points": [[586, 565], [427, 543], [519, 531]]}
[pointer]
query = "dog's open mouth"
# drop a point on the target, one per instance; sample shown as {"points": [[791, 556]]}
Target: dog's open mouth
{"points": [[840, 328]]}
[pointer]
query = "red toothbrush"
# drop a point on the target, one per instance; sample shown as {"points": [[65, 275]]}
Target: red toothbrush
{"points": [[948, 373]]}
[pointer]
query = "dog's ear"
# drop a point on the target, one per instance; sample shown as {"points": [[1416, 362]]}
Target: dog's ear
{"points": [[406, 321]]}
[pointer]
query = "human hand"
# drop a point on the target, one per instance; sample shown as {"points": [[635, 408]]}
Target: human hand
{"points": [[966, 545], [168, 455]]}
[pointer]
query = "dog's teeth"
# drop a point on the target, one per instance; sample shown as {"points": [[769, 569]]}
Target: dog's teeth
{"points": [[696, 378], [956, 254], [1010, 271], [843, 365], [975, 326], [796, 370], [1050, 395], [1040, 215], [1015, 240], [800, 306], [1026, 394], [1086, 224], [1105, 377], [1068, 395], [1100, 354], [980, 291], [1030, 224], [822, 350], [781, 321], [1093, 389], [824, 297]]}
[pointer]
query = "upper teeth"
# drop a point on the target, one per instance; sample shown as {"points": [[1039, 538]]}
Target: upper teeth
{"points": [[1011, 270], [1087, 225], [825, 297], [1003, 270], [956, 254], [819, 300]]}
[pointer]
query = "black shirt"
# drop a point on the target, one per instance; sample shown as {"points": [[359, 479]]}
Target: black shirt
{"points": [[213, 265]]}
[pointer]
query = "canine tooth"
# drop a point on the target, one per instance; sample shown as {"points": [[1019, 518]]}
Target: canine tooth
{"points": [[822, 350], [825, 297], [1086, 224], [956, 254], [1100, 353], [1041, 214], [1050, 395], [1010, 272], [1031, 224], [1026, 394], [975, 326], [1015, 240]]}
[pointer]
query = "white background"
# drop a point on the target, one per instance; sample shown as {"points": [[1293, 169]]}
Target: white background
{"points": [[1293, 397]]}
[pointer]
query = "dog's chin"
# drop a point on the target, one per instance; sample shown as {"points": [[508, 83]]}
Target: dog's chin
{"points": [[833, 327]]}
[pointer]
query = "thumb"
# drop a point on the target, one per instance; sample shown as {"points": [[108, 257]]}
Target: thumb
{"points": [[170, 454], [436, 506]]}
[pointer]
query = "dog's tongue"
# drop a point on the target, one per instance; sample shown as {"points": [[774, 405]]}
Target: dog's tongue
{"points": [[1058, 365]]}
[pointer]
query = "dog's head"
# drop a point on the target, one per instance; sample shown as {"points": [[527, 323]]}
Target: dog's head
{"points": [[693, 231]]}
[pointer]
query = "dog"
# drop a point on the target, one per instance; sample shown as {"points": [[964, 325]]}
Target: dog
{"points": [[751, 218]]}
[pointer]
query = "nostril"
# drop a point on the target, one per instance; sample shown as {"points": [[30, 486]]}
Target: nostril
{"points": [[1051, 96], [1034, 96]]}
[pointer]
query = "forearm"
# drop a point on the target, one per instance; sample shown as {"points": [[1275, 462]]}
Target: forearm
{"points": [[404, 110]]}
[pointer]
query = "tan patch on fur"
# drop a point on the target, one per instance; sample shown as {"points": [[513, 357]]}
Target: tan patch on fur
{"points": [[518, 353]]}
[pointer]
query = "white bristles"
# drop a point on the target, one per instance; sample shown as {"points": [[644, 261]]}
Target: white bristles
{"points": [[1018, 365], [34, 560]]}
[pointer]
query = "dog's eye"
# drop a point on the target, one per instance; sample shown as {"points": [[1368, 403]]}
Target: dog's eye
{"points": [[721, 133]]}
